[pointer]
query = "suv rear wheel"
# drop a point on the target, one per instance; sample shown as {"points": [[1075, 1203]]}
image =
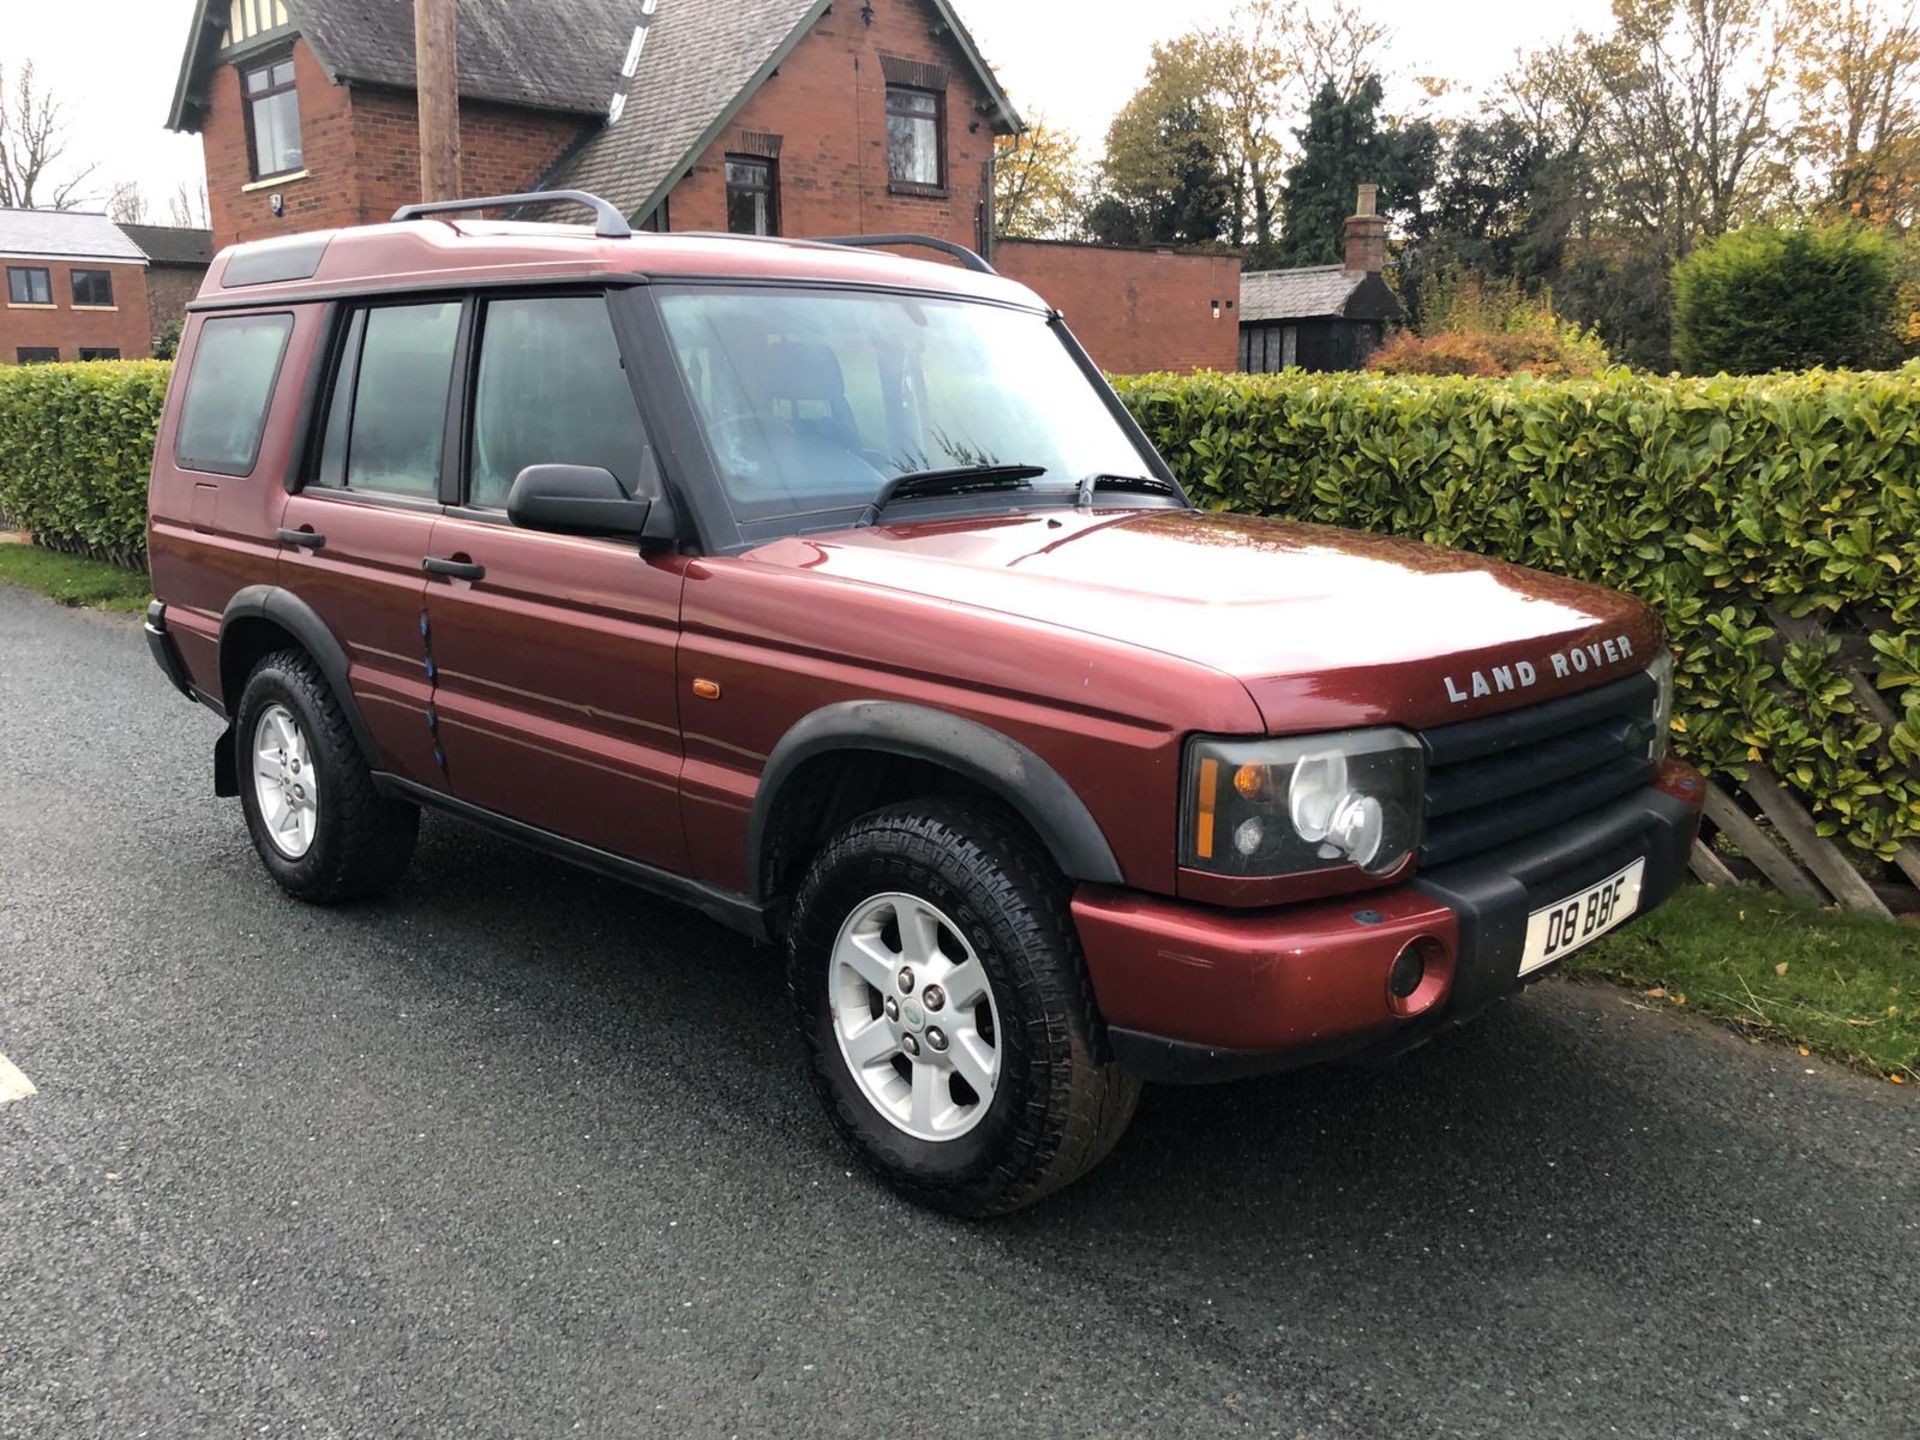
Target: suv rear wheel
{"points": [[322, 830], [949, 1027]]}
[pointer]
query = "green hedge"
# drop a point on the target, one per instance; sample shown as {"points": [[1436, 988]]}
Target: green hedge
{"points": [[76, 442], [1714, 500]]}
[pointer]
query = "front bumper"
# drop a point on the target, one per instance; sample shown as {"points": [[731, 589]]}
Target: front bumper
{"points": [[1195, 993]]}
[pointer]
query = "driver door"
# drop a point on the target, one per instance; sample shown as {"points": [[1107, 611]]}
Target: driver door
{"points": [[554, 654]]}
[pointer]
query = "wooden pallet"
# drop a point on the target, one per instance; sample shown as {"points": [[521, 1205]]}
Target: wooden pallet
{"points": [[1789, 852]]}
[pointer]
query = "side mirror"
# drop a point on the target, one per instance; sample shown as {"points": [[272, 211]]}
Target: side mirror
{"points": [[578, 500]]}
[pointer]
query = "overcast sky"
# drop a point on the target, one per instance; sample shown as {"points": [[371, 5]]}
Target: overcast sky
{"points": [[113, 62]]}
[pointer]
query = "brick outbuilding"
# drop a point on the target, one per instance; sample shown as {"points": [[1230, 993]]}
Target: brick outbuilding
{"points": [[76, 289]]}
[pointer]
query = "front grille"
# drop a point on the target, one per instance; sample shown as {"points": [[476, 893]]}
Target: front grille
{"points": [[1508, 776]]}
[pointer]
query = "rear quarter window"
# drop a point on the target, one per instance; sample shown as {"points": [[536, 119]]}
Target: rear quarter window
{"points": [[235, 365]]}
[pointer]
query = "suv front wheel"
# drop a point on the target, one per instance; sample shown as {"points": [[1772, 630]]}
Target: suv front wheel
{"points": [[949, 1026], [322, 830]]}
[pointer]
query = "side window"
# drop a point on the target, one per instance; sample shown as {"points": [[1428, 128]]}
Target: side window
{"points": [[916, 140], [29, 285], [753, 196], [92, 287], [235, 365], [551, 391], [387, 413], [273, 118]]}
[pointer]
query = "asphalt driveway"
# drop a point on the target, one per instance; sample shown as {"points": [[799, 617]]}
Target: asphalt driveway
{"points": [[520, 1152]]}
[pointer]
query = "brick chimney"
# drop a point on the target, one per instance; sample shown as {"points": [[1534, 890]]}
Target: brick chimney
{"points": [[1367, 234]]}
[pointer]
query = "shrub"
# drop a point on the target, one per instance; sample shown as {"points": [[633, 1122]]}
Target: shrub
{"points": [[1713, 500], [1406, 353], [76, 443], [1472, 326], [1765, 298]]}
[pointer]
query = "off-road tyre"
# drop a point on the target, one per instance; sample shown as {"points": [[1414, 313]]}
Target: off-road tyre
{"points": [[363, 841], [1059, 1107]]}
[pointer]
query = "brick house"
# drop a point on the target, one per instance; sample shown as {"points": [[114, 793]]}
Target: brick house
{"points": [[76, 289], [782, 117], [177, 261]]}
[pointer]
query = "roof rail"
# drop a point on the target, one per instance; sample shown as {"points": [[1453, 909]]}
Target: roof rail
{"points": [[931, 242], [612, 225]]}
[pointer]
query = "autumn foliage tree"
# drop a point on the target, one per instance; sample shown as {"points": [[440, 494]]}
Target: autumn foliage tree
{"points": [[1038, 183]]}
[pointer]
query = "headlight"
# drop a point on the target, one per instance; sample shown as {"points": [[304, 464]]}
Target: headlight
{"points": [[1285, 807], [1662, 672]]}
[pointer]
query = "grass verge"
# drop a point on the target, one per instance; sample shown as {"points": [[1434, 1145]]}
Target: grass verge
{"points": [[73, 579], [1844, 985]]}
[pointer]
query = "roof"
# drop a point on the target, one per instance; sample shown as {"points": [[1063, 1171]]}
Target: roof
{"points": [[1302, 294], [420, 253], [701, 62], [562, 55], [172, 244], [66, 234]]}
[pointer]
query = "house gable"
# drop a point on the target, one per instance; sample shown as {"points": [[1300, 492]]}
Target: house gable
{"points": [[701, 68]]}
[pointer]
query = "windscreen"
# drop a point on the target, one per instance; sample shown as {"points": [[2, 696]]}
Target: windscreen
{"points": [[811, 399]]}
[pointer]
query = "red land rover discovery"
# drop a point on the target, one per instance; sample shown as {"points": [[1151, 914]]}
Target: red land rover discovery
{"points": [[835, 593]]}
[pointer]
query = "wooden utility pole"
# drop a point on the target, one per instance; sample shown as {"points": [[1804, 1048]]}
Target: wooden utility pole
{"points": [[437, 78]]}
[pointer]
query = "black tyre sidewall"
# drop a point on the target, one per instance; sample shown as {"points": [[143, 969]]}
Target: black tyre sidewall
{"points": [[877, 866], [280, 679]]}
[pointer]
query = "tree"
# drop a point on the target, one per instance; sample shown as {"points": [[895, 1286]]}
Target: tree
{"points": [[1765, 298], [126, 205], [1652, 139], [1165, 177], [32, 141], [1495, 207], [1857, 79], [1039, 183], [1689, 91], [188, 207], [1263, 65], [1341, 148]]}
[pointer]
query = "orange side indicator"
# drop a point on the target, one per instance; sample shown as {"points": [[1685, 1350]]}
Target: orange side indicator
{"points": [[707, 689], [1203, 825]]}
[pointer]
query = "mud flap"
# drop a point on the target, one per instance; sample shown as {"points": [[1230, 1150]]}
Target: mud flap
{"points": [[226, 768]]}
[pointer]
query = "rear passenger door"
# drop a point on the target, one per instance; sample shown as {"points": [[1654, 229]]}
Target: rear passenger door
{"points": [[554, 653], [355, 534]]}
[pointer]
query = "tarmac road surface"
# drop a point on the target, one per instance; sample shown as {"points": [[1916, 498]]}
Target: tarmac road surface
{"points": [[520, 1152]]}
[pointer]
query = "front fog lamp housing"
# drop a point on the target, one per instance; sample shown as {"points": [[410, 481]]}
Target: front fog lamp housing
{"points": [[1289, 807]]}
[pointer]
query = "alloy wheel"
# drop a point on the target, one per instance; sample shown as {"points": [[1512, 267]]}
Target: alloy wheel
{"points": [[915, 1017], [285, 783]]}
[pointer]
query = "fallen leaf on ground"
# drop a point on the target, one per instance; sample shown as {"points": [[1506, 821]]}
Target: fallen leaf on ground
{"points": [[1781, 968], [1656, 993], [1679, 999], [1805, 1051], [1898, 1079]]}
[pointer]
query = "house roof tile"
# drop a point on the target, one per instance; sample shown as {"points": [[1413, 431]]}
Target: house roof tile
{"points": [[172, 244], [1302, 294], [700, 58], [66, 234], [554, 55]]}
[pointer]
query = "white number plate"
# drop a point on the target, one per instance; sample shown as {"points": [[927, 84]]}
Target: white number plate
{"points": [[1561, 929]]}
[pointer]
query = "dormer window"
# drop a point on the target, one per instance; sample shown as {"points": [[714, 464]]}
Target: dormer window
{"points": [[273, 117]]}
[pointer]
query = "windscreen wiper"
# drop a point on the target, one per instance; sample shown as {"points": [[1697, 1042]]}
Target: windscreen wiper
{"points": [[956, 481], [1099, 480]]}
